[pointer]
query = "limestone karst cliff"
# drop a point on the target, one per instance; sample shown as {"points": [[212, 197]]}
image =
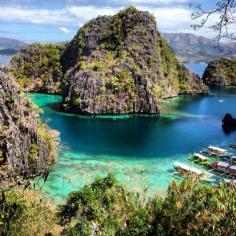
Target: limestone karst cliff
{"points": [[26, 149], [121, 64]]}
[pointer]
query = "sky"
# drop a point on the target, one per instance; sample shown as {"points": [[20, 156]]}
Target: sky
{"points": [[59, 20]]}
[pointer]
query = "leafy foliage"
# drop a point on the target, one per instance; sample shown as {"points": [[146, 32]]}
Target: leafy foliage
{"points": [[107, 208], [104, 208], [189, 208], [26, 213]]}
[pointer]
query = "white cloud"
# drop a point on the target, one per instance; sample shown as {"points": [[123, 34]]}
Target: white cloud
{"points": [[172, 19], [67, 16], [169, 19], [64, 30], [158, 1]]}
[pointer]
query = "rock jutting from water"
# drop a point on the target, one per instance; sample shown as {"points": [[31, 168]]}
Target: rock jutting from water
{"points": [[229, 123], [220, 73], [121, 64], [26, 150]]}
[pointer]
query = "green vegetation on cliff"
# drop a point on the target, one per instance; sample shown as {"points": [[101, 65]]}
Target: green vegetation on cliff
{"points": [[38, 68], [220, 73]]}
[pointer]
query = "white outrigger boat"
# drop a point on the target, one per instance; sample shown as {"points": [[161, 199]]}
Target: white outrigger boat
{"points": [[216, 151], [185, 169], [199, 157]]}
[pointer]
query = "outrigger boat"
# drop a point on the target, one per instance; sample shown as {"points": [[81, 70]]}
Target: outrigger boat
{"points": [[224, 167], [185, 169], [199, 157], [216, 151]]}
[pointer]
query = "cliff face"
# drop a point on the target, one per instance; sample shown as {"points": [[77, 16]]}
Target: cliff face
{"points": [[121, 64], [221, 73], [26, 149], [37, 68]]}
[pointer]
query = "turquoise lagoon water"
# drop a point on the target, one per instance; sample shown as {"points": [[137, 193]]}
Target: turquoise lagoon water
{"points": [[140, 151]]}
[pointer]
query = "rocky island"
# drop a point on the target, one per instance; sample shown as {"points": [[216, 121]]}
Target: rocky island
{"points": [[229, 123], [114, 65], [121, 64], [26, 149], [221, 73]]}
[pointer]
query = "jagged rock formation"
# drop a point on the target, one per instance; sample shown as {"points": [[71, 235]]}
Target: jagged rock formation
{"points": [[37, 68], [221, 73], [26, 149], [121, 64]]}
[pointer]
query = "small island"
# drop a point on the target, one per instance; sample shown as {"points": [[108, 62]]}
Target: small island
{"points": [[220, 73]]}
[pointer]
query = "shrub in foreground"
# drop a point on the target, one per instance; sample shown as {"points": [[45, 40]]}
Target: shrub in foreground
{"points": [[26, 213], [107, 208], [189, 208]]}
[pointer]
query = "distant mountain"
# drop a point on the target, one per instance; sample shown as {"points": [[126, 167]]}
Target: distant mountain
{"points": [[10, 46], [192, 48], [7, 43]]}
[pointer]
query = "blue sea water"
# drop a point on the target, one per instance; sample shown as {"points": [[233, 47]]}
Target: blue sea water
{"points": [[4, 59], [139, 150]]}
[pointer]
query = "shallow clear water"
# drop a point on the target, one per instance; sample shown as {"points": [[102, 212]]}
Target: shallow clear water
{"points": [[4, 59], [140, 151]]}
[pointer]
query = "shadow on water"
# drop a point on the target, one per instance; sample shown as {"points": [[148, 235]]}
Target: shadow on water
{"points": [[55, 106]]}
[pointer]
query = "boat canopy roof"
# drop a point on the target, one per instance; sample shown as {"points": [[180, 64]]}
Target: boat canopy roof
{"points": [[201, 157], [223, 164], [188, 168], [232, 167], [217, 149]]}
